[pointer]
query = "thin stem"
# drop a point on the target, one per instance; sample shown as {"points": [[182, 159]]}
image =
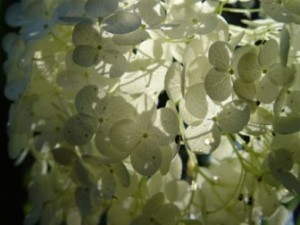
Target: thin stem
{"points": [[233, 10]]}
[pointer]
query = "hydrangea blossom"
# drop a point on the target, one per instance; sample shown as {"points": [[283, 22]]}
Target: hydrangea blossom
{"points": [[155, 112]]}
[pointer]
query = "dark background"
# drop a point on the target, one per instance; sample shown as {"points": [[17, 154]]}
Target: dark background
{"points": [[12, 190]]}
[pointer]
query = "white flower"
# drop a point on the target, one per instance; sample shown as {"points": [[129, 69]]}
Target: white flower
{"points": [[144, 136]]}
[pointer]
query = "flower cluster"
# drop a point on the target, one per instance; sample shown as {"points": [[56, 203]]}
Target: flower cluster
{"points": [[157, 111]]}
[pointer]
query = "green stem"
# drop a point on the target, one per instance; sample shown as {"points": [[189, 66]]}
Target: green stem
{"points": [[233, 10]]}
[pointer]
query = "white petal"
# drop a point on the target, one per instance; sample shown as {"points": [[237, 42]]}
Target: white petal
{"points": [[174, 82], [207, 23], [101, 8], [187, 117], [153, 203], [124, 135], [218, 85], [64, 156], [151, 11], [88, 98], [277, 12], [122, 22], [280, 160], [248, 67], [85, 55], [86, 34], [289, 181], [106, 185], [203, 138], [106, 149], [266, 91], [133, 38], [167, 121], [79, 129], [270, 48], [116, 59], [219, 55], [279, 75], [244, 90], [122, 174], [146, 159], [284, 45], [234, 116], [195, 101], [167, 214], [293, 6], [287, 125]]}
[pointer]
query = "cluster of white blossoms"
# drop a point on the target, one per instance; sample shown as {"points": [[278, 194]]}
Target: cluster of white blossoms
{"points": [[141, 112]]}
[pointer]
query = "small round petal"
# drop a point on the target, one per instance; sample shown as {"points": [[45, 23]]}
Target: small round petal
{"points": [[293, 102], [195, 101], [244, 90], [219, 55], [234, 116], [101, 8], [280, 160], [266, 91], [106, 185], [286, 125], [106, 149], [79, 129], [124, 135], [187, 117], [279, 75], [207, 23], [268, 54], [248, 67], [176, 190], [85, 55], [88, 98], [289, 181], [277, 12], [167, 122], [293, 6], [218, 85], [86, 34], [116, 59], [152, 12], [121, 173], [204, 138], [284, 45], [146, 159], [133, 38], [167, 214], [64, 156], [153, 203], [168, 153], [174, 82], [122, 22]]}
